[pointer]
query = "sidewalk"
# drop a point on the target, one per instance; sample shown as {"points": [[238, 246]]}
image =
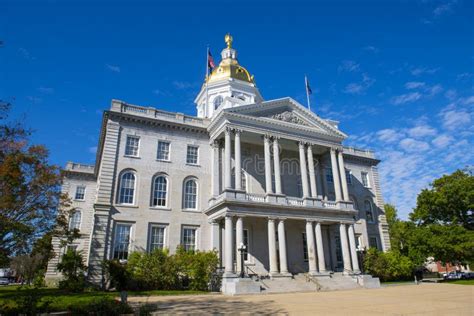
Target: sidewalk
{"points": [[428, 299]]}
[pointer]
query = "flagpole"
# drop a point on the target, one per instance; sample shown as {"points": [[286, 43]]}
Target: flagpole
{"points": [[307, 92], [207, 75]]}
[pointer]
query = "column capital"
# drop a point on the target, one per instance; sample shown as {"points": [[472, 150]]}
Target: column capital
{"points": [[216, 143], [267, 137], [228, 129], [310, 221], [272, 219], [301, 143]]}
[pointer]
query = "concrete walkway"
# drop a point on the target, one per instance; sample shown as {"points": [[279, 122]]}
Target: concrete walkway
{"points": [[425, 299]]}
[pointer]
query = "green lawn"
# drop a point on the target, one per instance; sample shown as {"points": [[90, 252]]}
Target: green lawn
{"points": [[462, 282], [60, 300], [398, 282]]}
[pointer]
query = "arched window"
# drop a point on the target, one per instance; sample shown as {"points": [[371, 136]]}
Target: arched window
{"points": [[127, 188], [190, 194], [75, 220], [218, 101], [369, 215], [160, 191]]}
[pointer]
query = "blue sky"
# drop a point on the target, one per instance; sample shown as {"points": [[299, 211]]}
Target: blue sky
{"points": [[398, 75]]}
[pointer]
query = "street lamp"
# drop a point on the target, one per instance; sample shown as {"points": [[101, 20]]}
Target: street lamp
{"points": [[242, 249], [360, 257]]}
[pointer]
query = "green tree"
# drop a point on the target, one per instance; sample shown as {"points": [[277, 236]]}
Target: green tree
{"points": [[29, 189], [73, 269], [450, 200]]}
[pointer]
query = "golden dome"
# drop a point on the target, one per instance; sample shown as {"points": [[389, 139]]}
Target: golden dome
{"points": [[229, 66]]}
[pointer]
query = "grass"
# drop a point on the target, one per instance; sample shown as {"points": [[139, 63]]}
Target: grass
{"points": [[461, 282], [60, 300], [397, 282]]}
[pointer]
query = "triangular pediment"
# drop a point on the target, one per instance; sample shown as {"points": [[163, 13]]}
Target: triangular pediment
{"points": [[289, 111]]}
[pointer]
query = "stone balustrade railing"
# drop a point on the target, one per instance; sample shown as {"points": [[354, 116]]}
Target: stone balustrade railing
{"points": [[122, 107], [359, 152]]}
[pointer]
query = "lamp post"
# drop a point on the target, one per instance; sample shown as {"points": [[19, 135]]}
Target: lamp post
{"points": [[360, 258], [242, 249]]}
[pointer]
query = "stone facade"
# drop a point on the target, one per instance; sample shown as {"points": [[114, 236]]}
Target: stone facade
{"points": [[269, 174]]}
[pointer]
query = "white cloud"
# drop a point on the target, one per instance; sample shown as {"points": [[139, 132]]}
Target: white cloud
{"points": [[421, 71], [454, 119], [406, 98], [444, 8], [92, 150], [442, 140], [349, 65], [421, 131], [413, 145], [26, 54], [182, 85], [371, 48], [113, 68], [359, 87], [468, 100], [414, 85], [451, 94], [434, 90], [464, 76], [388, 135]]}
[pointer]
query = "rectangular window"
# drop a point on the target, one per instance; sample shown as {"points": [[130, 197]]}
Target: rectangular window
{"points": [[163, 151], [189, 238], [305, 247], [373, 242], [80, 193], [122, 241], [192, 155], [131, 147], [349, 176], [157, 237], [71, 248], [329, 177], [365, 179]]}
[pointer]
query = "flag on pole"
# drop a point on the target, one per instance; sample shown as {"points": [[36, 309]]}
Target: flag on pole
{"points": [[308, 91], [308, 88], [210, 61]]}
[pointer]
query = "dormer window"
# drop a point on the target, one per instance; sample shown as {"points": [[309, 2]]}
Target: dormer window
{"points": [[218, 101]]}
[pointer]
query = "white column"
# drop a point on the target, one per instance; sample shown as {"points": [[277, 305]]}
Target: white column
{"points": [[238, 162], [311, 248], [346, 256], [227, 160], [352, 246], [304, 174], [215, 168], [239, 238], [268, 166], [215, 235], [282, 247], [312, 174], [276, 165], [335, 175], [228, 262], [319, 247], [342, 169], [272, 254]]}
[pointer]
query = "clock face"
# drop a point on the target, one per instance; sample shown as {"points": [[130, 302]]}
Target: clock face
{"points": [[218, 101]]}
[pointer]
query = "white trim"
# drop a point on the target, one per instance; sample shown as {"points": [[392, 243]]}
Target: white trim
{"points": [[197, 154], [158, 147], [84, 194], [121, 174], [195, 179], [138, 146], [167, 178], [165, 235], [196, 236]]}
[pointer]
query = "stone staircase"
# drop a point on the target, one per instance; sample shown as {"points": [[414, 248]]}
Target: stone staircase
{"points": [[338, 281], [287, 285]]}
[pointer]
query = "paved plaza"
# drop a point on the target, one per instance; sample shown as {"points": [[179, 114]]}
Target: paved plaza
{"points": [[425, 299]]}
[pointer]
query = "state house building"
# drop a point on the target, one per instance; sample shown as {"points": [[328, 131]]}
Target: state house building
{"points": [[270, 174]]}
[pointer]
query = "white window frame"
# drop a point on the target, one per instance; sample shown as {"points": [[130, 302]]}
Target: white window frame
{"points": [[79, 222], [305, 247], [376, 241], [348, 174], [122, 174], [196, 235], [138, 146], [129, 247], [197, 155], [365, 176], [83, 193], [158, 150], [186, 180], [150, 238], [167, 192], [328, 175], [371, 211]]}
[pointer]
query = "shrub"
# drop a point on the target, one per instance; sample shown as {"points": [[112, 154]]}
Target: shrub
{"points": [[117, 274], [159, 270], [388, 266], [73, 269]]}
